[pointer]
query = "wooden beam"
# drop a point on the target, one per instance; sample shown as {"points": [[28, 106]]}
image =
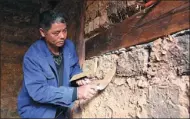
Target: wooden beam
{"points": [[142, 28]]}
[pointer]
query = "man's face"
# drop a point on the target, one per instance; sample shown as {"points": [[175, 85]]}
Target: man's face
{"points": [[56, 35]]}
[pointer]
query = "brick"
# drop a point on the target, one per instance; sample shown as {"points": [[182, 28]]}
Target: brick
{"points": [[103, 19], [96, 22], [90, 26], [103, 4]]}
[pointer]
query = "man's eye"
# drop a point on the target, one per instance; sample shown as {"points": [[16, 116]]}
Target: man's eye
{"points": [[56, 33], [65, 30]]}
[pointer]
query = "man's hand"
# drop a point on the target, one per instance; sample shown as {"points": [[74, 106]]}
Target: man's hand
{"points": [[86, 91], [83, 81]]}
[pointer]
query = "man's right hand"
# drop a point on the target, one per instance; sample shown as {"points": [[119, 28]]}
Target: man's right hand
{"points": [[83, 81], [86, 91]]}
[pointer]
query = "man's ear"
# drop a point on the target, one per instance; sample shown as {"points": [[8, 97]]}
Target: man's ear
{"points": [[42, 32]]}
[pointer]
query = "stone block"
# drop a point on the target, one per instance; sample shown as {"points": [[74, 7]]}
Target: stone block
{"points": [[103, 4], [133, 63], [173, 51], [131, 2], [161, 103], [90, 26], [96, 23], [93, 9], [103, 19]]}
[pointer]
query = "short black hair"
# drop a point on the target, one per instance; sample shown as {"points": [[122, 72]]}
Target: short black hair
{"points": [[47, 18]]}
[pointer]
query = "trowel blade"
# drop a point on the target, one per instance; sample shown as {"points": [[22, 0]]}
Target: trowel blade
{"points": [[102, 84], [79, 76]]}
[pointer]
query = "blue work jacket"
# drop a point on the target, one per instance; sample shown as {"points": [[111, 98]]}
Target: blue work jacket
{"points": [[40, 95]]}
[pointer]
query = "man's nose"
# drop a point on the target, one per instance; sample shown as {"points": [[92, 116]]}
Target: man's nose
{"points": [[62, 35]]}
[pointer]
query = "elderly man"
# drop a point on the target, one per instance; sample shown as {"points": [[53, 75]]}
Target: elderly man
{"points": [[48, 66]]}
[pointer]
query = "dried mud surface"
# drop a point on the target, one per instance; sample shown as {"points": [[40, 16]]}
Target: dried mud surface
{"points": [[152, 80]]}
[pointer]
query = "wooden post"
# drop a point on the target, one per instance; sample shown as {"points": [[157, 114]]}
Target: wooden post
{"points": [[80, 34]]}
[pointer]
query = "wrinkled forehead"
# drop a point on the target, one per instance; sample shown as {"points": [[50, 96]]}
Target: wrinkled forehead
{"points": [[57, 26]]}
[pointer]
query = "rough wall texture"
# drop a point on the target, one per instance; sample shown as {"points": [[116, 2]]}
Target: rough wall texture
{"points": [[14, 43], [18, 30], [152, 80], [102, 14]]}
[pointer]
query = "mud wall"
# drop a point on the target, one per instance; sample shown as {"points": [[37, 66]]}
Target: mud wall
{"points": [[18, 29], [102, 14], [152, 80], [14, 43]]}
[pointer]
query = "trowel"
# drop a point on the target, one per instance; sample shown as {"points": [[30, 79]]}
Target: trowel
{"points": [[101, 84], [80, 75]]}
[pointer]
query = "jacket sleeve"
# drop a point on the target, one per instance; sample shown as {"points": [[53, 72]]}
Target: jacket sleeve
{"points": [[75, 67], [38, 88]]}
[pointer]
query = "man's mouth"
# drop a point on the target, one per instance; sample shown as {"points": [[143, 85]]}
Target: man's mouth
{"points": [[60, 42]]}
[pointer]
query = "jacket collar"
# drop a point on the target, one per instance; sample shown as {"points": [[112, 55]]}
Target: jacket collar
{"points": [[45, 49], [65, 52]]}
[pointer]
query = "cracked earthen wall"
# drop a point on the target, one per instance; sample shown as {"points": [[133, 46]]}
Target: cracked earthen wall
{"points": [[131, 93], [152, 80], [102, 14], [18, 30], [15, 41]]}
